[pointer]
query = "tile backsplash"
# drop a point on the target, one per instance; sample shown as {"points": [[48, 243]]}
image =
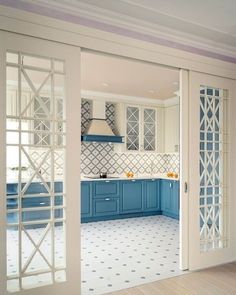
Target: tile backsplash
{"points": [[101, 157]]}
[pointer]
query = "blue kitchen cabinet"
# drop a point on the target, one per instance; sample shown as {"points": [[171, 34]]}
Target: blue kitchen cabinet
{"points": [[86, 199], [33, 199], [152, 200], [170, 198], [132, 196], [175, 192], [105, 207], [106, 198]]}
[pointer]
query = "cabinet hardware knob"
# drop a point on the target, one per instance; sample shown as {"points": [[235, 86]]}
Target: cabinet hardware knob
{"points": [[133, 180], [107, 199], [107, 180]]}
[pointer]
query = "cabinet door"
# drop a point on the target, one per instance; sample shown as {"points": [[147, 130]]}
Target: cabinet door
{"points": [[86, 199], [175, 192], [149, 129], [152, 195], [132, 196], [132, 128], [166, 202]]}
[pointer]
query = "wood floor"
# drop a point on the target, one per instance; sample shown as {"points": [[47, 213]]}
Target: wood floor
{"points": [[219, 280]]}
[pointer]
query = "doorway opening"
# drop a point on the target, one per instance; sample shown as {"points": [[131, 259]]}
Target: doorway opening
{"points": [[129, 191]]}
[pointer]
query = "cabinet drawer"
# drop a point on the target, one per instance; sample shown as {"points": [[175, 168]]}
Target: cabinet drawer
{"points": [[106, 206], [105, 188], [12, 189]]}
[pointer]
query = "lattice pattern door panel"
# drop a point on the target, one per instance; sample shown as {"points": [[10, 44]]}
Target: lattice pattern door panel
{"points": [[149, 132], [132, 128], [35, 164], [212, 170]]}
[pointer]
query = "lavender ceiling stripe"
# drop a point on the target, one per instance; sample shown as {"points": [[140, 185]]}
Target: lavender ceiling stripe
{"points": [[45, 11]]}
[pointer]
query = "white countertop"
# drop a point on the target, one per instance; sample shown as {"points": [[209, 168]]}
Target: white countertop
{"points": [[114, 177], [123, 177]]}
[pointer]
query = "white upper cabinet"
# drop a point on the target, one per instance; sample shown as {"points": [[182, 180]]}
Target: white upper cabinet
{"points": [[172, 131], [141, 127]]}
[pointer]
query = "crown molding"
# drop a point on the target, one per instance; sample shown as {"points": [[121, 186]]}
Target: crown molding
{"points": [[108, 17], [116, 98], [171, 101]]}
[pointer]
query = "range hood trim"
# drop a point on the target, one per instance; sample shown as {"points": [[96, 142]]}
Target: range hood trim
{"points": [[102, 138]]}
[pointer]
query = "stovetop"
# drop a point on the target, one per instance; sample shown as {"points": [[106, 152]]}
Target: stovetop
{"points": [[98, 177]]}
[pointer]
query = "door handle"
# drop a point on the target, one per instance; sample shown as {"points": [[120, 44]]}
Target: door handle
{"points": [[185, 187]]}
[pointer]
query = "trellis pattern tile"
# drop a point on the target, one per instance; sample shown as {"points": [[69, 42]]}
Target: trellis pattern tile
{"points": [[85, 114], [120, 254], [99, 157]]}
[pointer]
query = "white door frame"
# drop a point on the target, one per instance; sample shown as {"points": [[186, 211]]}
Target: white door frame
{"points": [[71, 55]]}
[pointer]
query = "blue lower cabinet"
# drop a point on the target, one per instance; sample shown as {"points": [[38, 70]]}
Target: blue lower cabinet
{"points": [[170, 198], [176, 200], [86, 199], [152, 200], [35, 202], [132, 194], [106, 206]]}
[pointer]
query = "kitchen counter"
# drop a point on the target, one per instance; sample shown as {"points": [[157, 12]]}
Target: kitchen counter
{"points": [[113, 177], [123, 177]]}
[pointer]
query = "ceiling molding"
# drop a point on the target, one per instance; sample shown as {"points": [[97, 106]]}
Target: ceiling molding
{"points": [[116, 98], [171, 101], [105, 20]]}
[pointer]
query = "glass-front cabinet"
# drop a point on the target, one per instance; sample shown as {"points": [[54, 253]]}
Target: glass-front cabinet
{"points": [[141, 128]]}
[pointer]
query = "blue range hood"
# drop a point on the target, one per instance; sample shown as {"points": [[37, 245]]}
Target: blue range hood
{"points": [[102, 138]]}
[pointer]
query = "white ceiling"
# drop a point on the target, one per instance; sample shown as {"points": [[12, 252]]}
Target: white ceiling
{"points": [[212, 21], [127, 77]]}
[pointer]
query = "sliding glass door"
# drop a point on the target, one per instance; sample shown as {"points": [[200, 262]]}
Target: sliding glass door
{"points": [[211, 203], [40, 159]]}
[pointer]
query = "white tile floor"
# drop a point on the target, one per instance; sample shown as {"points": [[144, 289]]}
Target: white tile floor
{"points": [[115, 254], [124, 253]]}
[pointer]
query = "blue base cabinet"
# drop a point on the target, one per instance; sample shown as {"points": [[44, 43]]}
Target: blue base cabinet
{"points": [[132, 192], [102, 200], [152, 200], [170, 198], [106, 198], [86, 199], [114, 199], [34, 201]]}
